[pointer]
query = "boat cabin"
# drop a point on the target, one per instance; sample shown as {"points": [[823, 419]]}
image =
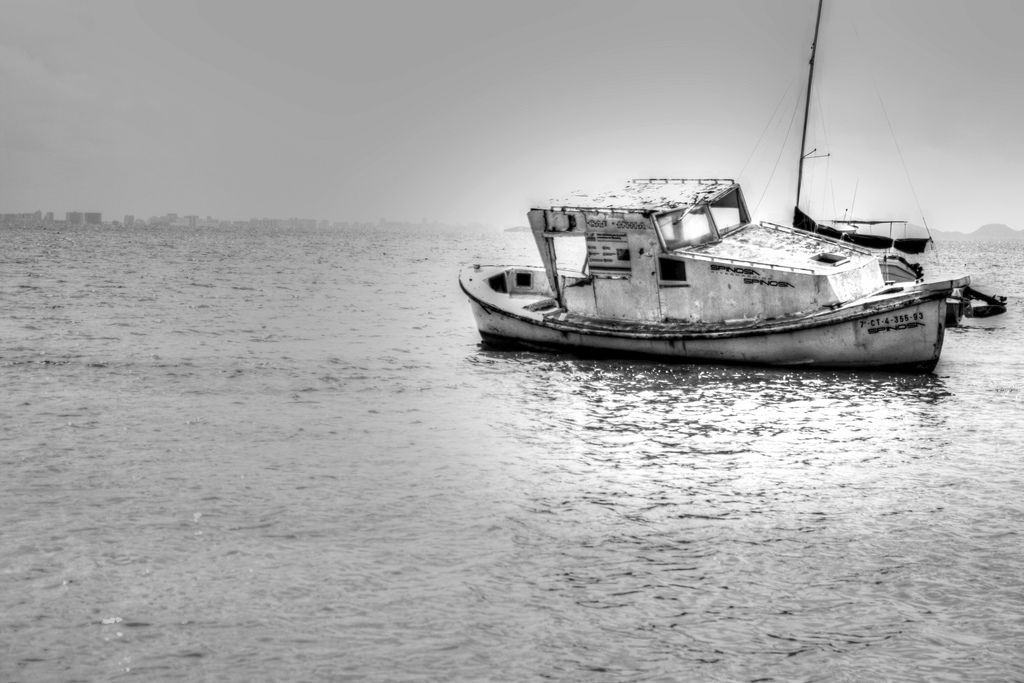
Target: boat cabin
{"points": [[685, 250]]}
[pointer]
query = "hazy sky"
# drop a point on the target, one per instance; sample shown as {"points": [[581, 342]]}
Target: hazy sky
{"points": [[472, 111]]}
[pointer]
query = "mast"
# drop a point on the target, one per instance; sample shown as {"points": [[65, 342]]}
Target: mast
{"points": [[807, 107]]}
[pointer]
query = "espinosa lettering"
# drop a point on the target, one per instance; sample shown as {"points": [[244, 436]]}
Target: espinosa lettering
{"points": [[750, 276]]}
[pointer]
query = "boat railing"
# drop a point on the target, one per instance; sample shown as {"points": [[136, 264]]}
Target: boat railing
{"points": [[846, 245], [745, 262], [609, 210], [682, 181]]}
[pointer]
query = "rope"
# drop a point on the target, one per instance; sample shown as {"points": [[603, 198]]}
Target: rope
{"points": [[895, 141], [830, 182], [782, 149], [906, 170], [767, 126]]}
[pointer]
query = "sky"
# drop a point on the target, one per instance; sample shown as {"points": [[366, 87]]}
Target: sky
{"points": [[470, 111]]}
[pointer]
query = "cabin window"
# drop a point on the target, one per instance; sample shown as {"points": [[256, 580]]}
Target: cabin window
{"points": [[498, 283], [571, 253], [524, 280], [671, 270], [727, 212], [685, 228]]}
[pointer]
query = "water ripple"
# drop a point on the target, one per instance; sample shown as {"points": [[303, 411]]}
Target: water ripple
{"points": [[240, 455]]}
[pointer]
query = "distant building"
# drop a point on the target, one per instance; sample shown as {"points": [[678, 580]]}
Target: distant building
{"points": [[193, 221], [21, 220], [93, 218], [74, 218], [129, 220]]}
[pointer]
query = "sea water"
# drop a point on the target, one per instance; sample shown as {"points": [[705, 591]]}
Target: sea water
{"points": [[240, 455]]}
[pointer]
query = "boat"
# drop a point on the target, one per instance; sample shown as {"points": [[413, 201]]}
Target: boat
{"points": [[980, 305], [883, 235], [864, 232], [676, 269]]}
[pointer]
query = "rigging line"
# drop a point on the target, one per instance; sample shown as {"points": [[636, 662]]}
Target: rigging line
{"points": [[829, 182], [895, 141], [782, 149], [767, 126], [824, 187], [903, 161], [832, 185]]}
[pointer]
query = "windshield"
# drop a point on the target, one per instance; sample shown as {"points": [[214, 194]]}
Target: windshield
{"points": [[727, 212], [685, 228]]}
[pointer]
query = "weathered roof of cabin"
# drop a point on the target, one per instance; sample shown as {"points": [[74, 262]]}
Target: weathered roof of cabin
{"points": [[775, 244], [647, 194]]}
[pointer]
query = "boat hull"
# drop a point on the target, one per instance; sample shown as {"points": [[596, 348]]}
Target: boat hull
{"points": [[903, 331]]}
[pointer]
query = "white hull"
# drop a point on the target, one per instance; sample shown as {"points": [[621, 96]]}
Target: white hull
{"points": [[898, 269], [896, 329]]}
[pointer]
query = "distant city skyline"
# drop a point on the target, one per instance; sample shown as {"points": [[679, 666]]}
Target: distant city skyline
{"points": [[80, 218], [987, 232], [472, 112]]}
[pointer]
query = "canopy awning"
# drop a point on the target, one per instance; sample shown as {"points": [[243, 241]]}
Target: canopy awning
{"points": [[648, 194]]}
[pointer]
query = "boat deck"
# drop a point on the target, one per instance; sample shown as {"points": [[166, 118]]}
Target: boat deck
{"points": [[756, 243]]}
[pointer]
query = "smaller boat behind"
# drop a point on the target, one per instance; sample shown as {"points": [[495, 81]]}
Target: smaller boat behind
{"points": [[865, 232], [980, 305], [675, 269]]}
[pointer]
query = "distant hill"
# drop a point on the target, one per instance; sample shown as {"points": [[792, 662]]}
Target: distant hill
{"points": [[993, 232], [518, 228]]}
